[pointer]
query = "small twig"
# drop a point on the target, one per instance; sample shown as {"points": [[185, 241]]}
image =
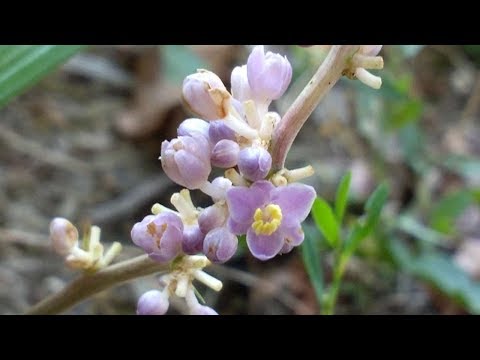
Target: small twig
{"points": [[21, 237], [324, 79], [42, 154], [88, 285]]}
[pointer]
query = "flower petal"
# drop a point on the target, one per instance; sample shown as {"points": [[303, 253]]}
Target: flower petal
{"points": [[264, 247], [295, 200]]}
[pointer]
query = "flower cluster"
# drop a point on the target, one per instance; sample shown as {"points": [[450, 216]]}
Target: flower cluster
{"points": [[233, 132]]}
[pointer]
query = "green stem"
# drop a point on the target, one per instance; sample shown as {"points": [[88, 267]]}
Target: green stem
{"points": [[332, 294]]}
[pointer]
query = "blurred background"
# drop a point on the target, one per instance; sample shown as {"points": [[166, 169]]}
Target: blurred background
{"points": [[83, 143]]}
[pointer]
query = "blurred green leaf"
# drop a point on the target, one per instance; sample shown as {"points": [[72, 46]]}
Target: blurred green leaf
{"points": [[439, 271], [403, 112], [362, 229], [465, 166], [410, 51], [180, 61], [325, 221], [445, 212], [311, 259], [21, 66], [413, 227], [341, 197]]}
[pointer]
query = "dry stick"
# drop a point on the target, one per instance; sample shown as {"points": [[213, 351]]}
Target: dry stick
{"points": [[326, 76], [88, 285]]}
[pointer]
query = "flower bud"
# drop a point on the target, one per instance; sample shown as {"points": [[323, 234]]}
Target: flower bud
{"points": [[370, 50], [63, 235], [220, 245], [219, 131], [186, 160], [159, 235], [192, 240], [202, 310], [212, 217], [153, 302], [198, 96], [192, 126], [240, 87], [254, 163], [268, 74], [225, 154]]}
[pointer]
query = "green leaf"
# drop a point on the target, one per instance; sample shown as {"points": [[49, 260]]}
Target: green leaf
{"points": [[362, 229], [413, 227], [439, 271], [468, 167], [374, 205], [180, 61], [448, 209], [21, 66], [325, 221], [311, 259], [402, 113], [341, 197]]}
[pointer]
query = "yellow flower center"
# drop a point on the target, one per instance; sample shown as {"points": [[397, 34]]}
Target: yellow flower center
{"points": [[266, 222]]}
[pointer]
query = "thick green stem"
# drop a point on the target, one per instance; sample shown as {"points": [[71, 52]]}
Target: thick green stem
{"points": [[90, 284]]}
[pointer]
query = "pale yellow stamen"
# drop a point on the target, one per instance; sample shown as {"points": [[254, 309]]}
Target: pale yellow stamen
{"points": [[267, 221]]}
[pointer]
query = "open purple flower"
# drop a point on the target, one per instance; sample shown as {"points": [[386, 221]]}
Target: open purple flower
{"points": [[270, 216], [159, 235]]}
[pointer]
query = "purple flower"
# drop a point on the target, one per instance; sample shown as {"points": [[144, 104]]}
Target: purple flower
{"points": [[219, 131], [198, 96], [188, 127], [186, 160], [225, 154], [270, 216], [268, 75], [254, 163], [63, 235], [159, 235], [153, 302], [220, 245]]}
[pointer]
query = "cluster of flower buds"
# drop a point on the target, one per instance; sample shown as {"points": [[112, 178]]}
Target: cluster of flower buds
{"points": [[179, 282], [89, 256], [233, 132]]}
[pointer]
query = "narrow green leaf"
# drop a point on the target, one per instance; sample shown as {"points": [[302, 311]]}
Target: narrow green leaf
{"points": [[21, 66], [325, 221], [362, 229], [341, 197], [311, 260]]}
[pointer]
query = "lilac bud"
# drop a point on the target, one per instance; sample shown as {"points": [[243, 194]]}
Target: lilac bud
{"points": [[192, 240], [153, 302], [212, 217], [186, 160], [63, 235], [159, 235], [370, 50], [225, 154], [219, 131], [192, 126], [240, 87], [268, 75], [202, 310], [254, 163], [197, 95], [220, 245]]}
